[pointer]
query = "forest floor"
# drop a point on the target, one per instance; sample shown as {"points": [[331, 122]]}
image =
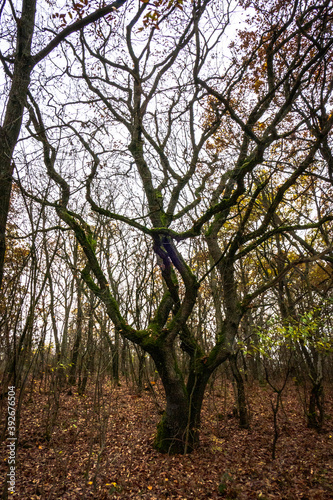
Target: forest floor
{"points": [[100, 447]]}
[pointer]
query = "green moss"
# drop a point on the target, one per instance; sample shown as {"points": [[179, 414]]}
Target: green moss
{"points": [[92, 242], [165, 219], [164, 442], [149, 338], [161, 435]]}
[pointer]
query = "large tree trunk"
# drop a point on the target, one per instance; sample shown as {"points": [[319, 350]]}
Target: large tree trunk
{"points": [[196, 387], [171, 431], [178, 430]]}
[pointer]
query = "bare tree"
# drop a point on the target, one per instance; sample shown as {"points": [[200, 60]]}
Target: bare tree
{"points": [[18, 62], [160, 142]]}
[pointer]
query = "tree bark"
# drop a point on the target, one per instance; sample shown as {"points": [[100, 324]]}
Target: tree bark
{"points": [[90, 351], [241, 398], [10, 130], [78, 336], [171, 431], [178, 430]]}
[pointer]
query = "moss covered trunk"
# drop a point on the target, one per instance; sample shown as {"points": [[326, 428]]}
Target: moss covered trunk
{"points": [[172, 429], [178, 430]]}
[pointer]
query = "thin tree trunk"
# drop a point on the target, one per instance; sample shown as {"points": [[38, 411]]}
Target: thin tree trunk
{"points": [[10, 130], [78, 336], [88, 367], [241, 399]]}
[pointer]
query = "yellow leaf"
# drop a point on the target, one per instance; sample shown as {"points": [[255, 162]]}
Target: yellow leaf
{"points": [[150, 487], [257, 85], [90, 482]]}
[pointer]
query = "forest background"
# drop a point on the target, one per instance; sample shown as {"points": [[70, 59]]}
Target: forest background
{"points": [[166, 219]]}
